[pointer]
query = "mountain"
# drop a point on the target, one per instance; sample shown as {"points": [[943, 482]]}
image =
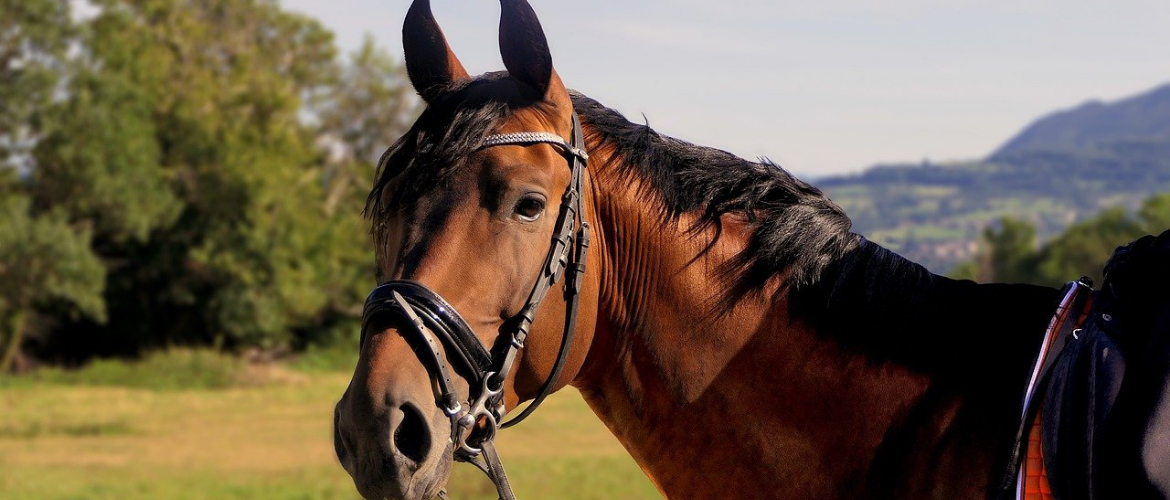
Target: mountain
{"points": [[1062, 168], [1096, 124]]}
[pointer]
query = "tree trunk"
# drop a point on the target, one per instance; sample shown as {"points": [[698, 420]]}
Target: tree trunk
{"points": [[15, 338]]}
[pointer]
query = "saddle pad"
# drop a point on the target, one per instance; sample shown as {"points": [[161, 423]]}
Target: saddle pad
{"points": [[1036, 485]]}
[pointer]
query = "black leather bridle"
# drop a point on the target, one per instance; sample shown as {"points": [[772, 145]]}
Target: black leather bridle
{"points": [[474, 426]]}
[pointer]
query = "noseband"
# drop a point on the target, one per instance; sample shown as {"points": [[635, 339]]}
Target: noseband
{"points": [[474, 421]]}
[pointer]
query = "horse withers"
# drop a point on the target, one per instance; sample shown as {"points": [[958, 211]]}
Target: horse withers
{"points": [[721, 319]]}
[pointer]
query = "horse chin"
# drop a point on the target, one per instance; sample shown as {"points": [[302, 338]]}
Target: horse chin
{"points": [[428, 481], [425, 483]]}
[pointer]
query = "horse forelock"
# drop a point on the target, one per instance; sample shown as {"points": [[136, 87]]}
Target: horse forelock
{"points": [[439, 144]]}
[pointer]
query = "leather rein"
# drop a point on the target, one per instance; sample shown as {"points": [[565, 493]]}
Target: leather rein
{"points": [[475, 421]]}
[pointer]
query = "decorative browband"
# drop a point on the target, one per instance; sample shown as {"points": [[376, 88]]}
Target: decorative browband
{"points": [[533, 138]]}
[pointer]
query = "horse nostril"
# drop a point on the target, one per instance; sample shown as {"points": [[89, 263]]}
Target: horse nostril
{"points": [[412, 438]]}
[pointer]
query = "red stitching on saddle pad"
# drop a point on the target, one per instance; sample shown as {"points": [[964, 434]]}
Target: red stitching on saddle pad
{"points": [[1035, 475]]}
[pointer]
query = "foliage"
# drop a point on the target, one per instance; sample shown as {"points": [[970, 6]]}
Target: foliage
{"points": [[1009, 248], [33, 38], [193, 143], [42, 260], [100, 163], [371, 105], [1011, 255], [1155, 214]]}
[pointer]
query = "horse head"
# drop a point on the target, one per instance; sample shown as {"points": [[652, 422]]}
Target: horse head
{"points": [[463, 212]]}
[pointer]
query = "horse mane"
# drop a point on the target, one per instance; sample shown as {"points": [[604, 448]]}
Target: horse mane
{"points": [[839, 282], [865, 296], [796, 230]]}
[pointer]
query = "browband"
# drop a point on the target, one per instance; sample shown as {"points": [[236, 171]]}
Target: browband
{"points": [[533, 138]]}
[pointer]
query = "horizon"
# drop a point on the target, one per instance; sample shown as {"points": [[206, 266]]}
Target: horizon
{"points": [[842, 87]]}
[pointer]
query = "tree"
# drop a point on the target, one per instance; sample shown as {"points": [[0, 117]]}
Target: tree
{"points": [[1155, 214], [33, 38], [183, 144], [1011, 253], [42, 259], [100, 163], [1011, 247], [359, 115], [1083, 248], [371, 105]]}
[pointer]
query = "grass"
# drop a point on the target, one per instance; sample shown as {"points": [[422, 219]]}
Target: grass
{"points": [[175, 369], [335, 357], [105, 433]]}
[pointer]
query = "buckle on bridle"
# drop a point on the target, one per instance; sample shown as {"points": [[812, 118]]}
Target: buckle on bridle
{"points": [[453, 410]]}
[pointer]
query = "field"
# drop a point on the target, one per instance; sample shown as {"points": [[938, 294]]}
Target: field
{"points": [[266, 440]]}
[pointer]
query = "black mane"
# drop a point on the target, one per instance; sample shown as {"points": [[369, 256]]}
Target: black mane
{"points": [[797, 231]]}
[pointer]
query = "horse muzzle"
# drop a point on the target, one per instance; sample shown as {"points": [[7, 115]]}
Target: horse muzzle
{"points": [[388, 433]]}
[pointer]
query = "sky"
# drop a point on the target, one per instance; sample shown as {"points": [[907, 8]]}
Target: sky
{"points": [[821, 87]]}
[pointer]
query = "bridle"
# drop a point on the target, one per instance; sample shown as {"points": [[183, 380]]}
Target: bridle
{"points": [[474, 426]]}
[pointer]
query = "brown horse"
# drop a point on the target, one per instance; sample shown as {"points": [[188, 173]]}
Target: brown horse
{"points": [[730, 330]]}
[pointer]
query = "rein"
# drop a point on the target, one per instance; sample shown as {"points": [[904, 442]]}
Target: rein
{"points": [[474, 426]]}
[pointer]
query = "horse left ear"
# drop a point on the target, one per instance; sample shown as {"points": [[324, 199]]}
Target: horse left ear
{"points": [[430, 63], [525, 49]]}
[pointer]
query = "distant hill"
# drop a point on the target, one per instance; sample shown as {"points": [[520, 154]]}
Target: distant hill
{"points": [[1060, 169], [1095, 124]]}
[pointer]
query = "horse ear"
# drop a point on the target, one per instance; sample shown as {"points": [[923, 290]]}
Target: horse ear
{"points": [[525, 49], [429, 60]]}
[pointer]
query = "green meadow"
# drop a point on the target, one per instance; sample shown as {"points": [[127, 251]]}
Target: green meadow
{"points": [[213, 428]]}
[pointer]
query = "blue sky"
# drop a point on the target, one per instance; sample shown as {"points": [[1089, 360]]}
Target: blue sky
{"points": [[819, 86]]}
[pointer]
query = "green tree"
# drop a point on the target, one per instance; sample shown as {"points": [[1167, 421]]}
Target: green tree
{"points": [[1155, 214], [33, 38], [100, 163], [371, 105], [358, 116], [42, 259], [1083, 248], [183, 144], [1011, 253], [1012, 247]]}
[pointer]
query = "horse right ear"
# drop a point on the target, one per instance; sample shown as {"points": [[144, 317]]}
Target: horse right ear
{"points": [[429, 60]]}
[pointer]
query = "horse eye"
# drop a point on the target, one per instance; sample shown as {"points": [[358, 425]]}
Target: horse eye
{"points": [[529, 209]]}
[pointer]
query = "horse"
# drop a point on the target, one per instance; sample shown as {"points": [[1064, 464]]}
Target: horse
{"points": [[717, 314]]}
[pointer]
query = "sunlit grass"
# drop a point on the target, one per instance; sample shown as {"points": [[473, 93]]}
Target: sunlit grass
{"points": [[174, 369], [268, 438]]}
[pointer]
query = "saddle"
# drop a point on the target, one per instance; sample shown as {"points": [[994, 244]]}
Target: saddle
{"points": [[1096, 419]]}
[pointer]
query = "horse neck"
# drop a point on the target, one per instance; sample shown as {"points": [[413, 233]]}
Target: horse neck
{"points": [[861, 384]]}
